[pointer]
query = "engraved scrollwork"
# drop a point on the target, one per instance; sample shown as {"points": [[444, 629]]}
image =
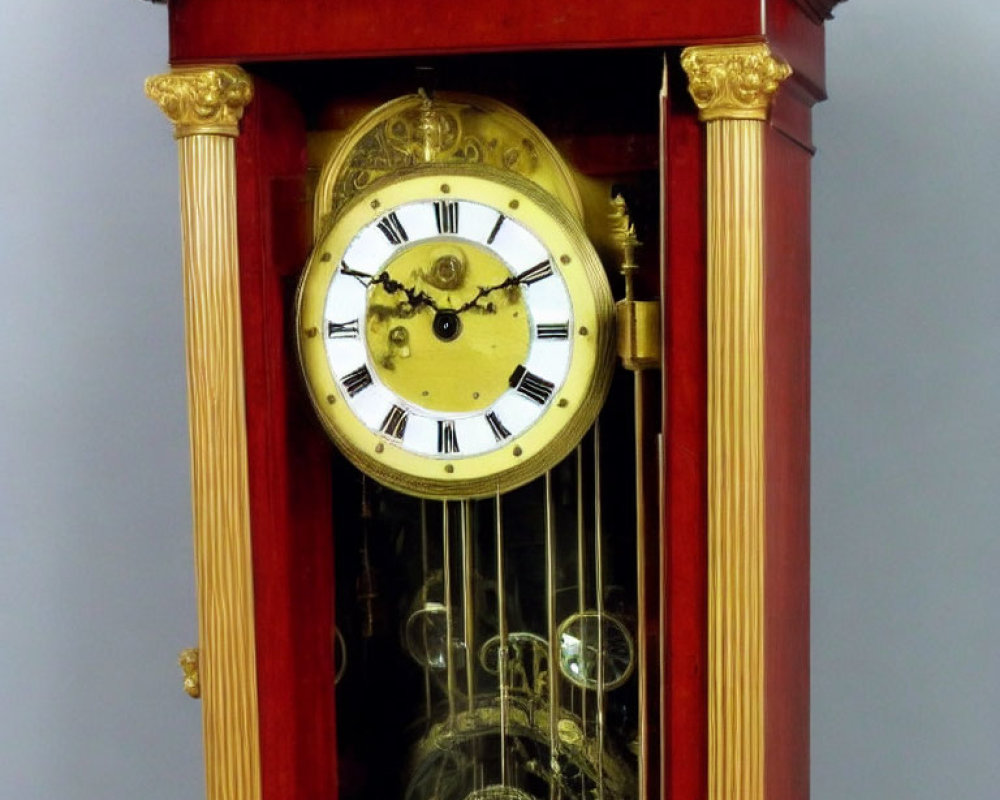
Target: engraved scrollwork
{"points": [[426, 130], [208, 100], [733, 81]]}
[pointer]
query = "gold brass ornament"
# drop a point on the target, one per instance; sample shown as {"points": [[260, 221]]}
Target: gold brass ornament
{"points": [[188, 662], [733, 81], [638, 320], [449, 128], [202, 99]]}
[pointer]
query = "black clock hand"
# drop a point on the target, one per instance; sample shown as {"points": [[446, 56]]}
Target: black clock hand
{"points": [[415, 298], [538, 272], [485, 290]]}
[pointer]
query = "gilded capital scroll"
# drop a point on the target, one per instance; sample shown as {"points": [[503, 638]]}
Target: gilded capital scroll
{"points": [[733, 81], [202, 99]]}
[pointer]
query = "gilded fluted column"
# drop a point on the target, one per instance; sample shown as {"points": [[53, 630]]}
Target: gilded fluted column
{"points": [[205, 104], [732, 86]]}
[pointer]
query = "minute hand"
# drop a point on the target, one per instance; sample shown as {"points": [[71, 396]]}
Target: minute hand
{"points": [[530, 275]]}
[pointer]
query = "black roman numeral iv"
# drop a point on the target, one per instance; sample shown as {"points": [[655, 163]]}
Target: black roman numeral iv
{"points": [[532, 386]]}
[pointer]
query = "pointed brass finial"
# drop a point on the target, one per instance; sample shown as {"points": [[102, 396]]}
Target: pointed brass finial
{"points": [[623, 234]]}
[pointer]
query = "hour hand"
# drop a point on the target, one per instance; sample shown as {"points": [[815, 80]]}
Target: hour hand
{"points": [[415, 297]]}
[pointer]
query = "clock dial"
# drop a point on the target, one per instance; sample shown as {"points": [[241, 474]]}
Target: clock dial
{"points": [[466, 328]]}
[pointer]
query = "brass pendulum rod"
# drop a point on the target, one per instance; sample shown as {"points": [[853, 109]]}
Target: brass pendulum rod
{"points": [[552, 622], [642, 643], [365, 587], [639, 349], [581, 579], [449, 622], [468, 604], [599, 607], [502, 652], [423, 600]]}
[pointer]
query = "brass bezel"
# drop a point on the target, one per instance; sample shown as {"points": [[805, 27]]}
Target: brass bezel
{"points": [[570, 412]]}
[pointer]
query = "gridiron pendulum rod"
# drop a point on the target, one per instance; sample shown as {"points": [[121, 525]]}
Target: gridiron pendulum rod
{"points": [[423, 582], [599, 606], [449, 623], [468, 607], [502, 652], [550, 613]]}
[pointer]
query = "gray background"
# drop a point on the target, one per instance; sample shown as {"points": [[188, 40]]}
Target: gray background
{"points": [[96, 586]]}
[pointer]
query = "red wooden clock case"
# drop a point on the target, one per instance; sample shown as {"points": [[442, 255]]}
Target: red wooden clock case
{"points": [[317, 48]]}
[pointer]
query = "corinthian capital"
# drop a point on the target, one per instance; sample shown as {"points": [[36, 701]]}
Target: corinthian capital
{"points": [[733, 81], [202, 99]]}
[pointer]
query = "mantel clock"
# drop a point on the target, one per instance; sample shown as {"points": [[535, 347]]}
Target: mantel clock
{"points": [[498, 346]]}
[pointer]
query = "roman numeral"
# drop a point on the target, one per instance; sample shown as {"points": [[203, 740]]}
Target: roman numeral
{"points": [[446, 216], [552, 330], [447, 439], [394, 423], [536, 273], [342, 330], [393, 230], [357, 380], [499, 431], [531, 385], [496, 229]]}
